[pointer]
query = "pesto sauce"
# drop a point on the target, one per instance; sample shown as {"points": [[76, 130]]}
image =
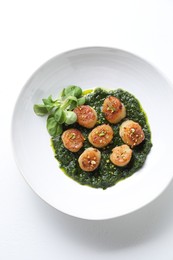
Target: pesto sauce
{"points": [[107, 174]]}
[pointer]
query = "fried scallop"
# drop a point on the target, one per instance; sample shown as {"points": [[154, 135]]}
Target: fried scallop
{"points": [[101, 136], [131, 133], [86, 116], [121, 155], [113, 109], [89, 160], [72, 139]]}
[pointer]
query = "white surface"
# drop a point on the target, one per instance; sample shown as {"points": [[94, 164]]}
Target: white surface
{"points": [[31, 33], [89, 68]]}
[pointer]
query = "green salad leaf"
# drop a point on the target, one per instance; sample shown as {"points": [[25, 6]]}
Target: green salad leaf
{"points": [[40, 110], [71, 117], [60, 110], [71, 91]]}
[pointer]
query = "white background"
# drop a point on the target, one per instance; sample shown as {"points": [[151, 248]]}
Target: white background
{"points": [[31, 32]]}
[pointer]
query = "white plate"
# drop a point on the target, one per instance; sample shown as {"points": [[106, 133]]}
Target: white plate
{"points": [[89, 68]]}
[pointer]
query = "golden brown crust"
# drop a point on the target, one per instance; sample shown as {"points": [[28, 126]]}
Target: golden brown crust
{"points": [[89, 160], [86, 116], [121, 155], [73, 139], [131, 133], [101, 136], [113, 109]]}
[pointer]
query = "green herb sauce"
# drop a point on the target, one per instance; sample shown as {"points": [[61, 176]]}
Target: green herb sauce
{"points": [[107, 174]]}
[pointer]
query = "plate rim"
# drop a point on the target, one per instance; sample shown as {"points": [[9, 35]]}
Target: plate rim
{"points": [[27, 84]]}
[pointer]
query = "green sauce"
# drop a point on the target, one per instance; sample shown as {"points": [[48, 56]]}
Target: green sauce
{"points": [[107, 174]]}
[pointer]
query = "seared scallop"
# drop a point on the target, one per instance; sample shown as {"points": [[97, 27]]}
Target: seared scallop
{"points": [[72, 139], [131, 133], [89, 160], [86, 116], [113, 109], [101, 136], [121, 155]]}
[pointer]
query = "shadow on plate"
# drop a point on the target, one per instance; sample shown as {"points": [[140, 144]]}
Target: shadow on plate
{"points": [[118, 233]]}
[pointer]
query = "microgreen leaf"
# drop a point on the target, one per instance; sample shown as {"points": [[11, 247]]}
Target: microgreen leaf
{"points": [[57, 114], [72, 91], [72, 105], [71, 117], [60, 115], [51, 125], [59, 111], [81, 101], [48, 102], [67, 102], [63, 118], [59, 129], [40, 110]]}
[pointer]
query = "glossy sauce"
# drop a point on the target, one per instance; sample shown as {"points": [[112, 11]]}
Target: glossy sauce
{"points": [[107, 174]]}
